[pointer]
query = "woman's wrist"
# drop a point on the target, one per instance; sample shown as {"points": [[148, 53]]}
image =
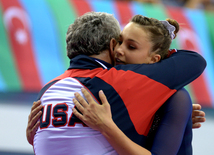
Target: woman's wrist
{"points": [[107, 127]]}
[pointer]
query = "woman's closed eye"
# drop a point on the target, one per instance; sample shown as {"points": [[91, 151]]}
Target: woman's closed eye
{"points": [[131, 47]]}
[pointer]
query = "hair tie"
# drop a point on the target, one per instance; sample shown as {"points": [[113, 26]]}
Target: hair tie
{"points": [[170, 52], [169, 27]]}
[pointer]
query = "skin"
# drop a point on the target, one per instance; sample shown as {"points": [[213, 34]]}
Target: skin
{"points": [[128, 46], [198, 117], [99, 117], [33, 122], [134, 46]]}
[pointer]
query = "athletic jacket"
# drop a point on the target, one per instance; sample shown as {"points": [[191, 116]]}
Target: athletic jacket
{"points": [[135, 93]]}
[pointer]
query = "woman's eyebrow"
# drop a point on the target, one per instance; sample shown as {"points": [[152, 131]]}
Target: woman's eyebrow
{"points": [[129, 39], [133, 41]]}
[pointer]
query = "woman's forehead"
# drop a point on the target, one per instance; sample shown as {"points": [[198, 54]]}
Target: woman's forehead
{"points": [[134, 31]]}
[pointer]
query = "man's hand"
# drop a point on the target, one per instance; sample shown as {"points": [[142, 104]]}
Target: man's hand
{"points": [[33, 122], [198, 116]]}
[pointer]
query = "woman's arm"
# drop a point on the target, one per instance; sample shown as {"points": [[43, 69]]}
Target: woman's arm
{"points": [[173, 132], [198, 117], [99, 118], [171, 71]]}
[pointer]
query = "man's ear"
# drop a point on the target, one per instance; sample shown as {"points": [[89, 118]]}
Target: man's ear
{"points": [[156, 58], [113, 43]]}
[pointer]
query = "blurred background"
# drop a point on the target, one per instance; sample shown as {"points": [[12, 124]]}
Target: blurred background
{"points": [[33, 51]]}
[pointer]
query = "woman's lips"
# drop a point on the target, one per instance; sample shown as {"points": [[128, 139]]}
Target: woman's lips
{"points": [[119, 62]]}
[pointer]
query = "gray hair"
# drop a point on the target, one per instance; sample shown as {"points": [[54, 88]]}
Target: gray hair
{"points": [[91, 33]]}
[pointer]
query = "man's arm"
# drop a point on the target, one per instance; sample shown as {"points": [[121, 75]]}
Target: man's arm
{"points": [[198, 116], [33, 122]]}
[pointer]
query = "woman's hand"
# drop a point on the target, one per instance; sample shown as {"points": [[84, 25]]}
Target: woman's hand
{"points": [[90, 112], [99, 117]]}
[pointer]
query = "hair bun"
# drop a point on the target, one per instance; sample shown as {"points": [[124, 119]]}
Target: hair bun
{"points": [[175, 24], [170, 28]]}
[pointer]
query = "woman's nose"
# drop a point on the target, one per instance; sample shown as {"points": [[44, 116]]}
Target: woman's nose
{"points": [[119, 50]]}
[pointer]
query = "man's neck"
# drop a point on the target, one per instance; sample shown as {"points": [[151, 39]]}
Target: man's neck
{"points": [[104, 55]]}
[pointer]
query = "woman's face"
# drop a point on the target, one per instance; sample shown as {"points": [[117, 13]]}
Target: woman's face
{"points": [[134, 46]]}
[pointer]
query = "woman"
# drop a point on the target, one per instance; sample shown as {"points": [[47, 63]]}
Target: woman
{"points": [[143, 40]]}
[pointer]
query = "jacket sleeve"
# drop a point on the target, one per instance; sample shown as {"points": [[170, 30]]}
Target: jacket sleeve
{"points": [[187, 66]]}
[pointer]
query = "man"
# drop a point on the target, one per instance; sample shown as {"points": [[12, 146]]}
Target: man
{"points": [[90, 48]]}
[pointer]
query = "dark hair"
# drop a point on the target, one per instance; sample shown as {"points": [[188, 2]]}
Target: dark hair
{"points": [[91, 34], [158, 33]]}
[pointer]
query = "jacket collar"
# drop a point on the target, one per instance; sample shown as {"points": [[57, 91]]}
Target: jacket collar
{"points": [[86, 62]]}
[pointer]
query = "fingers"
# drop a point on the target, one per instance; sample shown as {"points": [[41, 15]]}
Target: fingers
{"points": [[198, 120], [87, 95], [81, 100], [36, 126], [78, 106], [196, 107], [35, 113], [33, 123], [201, 113], [77, 114], [35, 119], [35, 108], [198, 117], [197, 113], [35, 105], [81, 104], [196, 125], [30, 132], [103, 97]]}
